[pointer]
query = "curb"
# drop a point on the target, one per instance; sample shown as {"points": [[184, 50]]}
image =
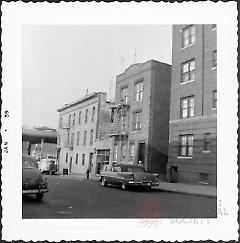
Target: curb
{"points": [[186, 192]]}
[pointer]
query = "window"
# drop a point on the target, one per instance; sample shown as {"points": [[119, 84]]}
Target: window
{"points": [[91, 137], [60, 122], [72, 139], [78, 138], [69, 120], [85, 138], [68, 138], [115, 152], [214, 59], [186, 145], [124, 95], [73, 122], [188, 36], [214, 104], [131, 151], [138, 91], [203, 178], [188, 71], [79, 117], [93, 113], [187, 107], [214, 26], [83, 159], [123, 152], [86, 115], [66, 157], [137, 121], [76, 159], [206, 145], [123, 118]]}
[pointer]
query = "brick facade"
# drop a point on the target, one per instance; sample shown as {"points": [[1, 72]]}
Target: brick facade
{"points": [[150, 141], [200, 167]]}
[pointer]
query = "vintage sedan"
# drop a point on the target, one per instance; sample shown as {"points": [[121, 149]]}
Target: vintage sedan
{"points": [[125, 175], [32, 180]]}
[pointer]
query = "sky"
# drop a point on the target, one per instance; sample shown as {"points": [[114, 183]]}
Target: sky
{"points": [[60, 62]]}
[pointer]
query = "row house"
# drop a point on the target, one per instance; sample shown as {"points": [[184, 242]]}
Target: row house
{"points": [[140, 116], [193, 106], [83, 134]]}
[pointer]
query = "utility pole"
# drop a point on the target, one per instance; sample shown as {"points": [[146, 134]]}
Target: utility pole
{"points": [[135, 55]]}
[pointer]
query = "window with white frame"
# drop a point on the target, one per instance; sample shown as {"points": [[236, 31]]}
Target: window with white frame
{"points": [[115, 152], [93, 113], [124, 94], [76, 162], [86, 115], [188, 36], [188, 71], [138, 91], [69, 121], [214, 59], [186, 145], [91, 137], [85, 138], [131, 152], [72, 139], [187, 107], [123, 152], [83, 159], [123, 122], [73, 121], [207, 144], [214, 102], [79, 117], [137, 121], [78, 137]]}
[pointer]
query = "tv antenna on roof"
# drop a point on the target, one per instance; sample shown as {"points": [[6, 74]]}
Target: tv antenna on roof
{"points": [[122, 61]]}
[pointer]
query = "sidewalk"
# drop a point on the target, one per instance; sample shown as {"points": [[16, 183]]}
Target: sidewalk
{"points": [[202, 190], [80, 176]]}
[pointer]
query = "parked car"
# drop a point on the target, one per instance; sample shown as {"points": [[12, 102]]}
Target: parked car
{"points": [[32, 179], [127, 175], [48, 166]]}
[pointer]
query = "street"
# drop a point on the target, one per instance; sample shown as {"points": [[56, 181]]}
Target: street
{"points": [[72, 198]]}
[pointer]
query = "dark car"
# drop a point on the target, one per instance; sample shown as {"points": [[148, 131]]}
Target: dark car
{"points": [[32, 180], [128, 175]]}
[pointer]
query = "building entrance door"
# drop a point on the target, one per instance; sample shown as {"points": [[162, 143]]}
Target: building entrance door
{"points": [[70, 165], [141, 153], [173, 174], [90, 161]]}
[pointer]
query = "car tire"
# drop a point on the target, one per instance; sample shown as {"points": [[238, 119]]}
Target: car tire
{"points": [[124, 186], [39, 197], [103, 182]]}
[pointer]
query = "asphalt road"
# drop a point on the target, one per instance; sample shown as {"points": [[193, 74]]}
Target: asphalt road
{"points": [[72, 198]]}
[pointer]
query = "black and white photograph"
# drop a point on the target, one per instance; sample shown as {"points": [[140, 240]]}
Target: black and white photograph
{"points": [[121, 125]]}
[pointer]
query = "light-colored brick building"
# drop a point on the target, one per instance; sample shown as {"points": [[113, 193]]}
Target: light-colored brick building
{"points": [[141, 116], [193, 107], [83, 134]]}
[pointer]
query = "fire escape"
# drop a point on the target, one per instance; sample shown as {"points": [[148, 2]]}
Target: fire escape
{"points": [[67, 137], [120, 119]]}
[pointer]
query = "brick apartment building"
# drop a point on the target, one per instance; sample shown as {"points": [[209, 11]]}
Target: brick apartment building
{"points": [[193, 107], [83, 134], [141, 116]]}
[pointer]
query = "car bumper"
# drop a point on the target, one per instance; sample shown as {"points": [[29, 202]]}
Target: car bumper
{"points": [[143, 184], [35, 191]]}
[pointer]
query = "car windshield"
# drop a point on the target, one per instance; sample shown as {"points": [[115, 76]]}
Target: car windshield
{"points": [[134, 169], [29, 163]]}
